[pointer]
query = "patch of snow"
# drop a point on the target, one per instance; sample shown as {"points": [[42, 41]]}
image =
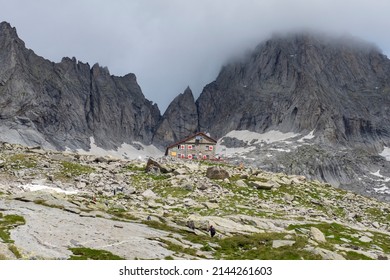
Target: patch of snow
{"points": [[268, 137], [377, 174], [385, 153], [383, 190], [126, 151], [34, 188], [307, 137], [251, 139], [280, 150], [383, 178], [228, 152]]}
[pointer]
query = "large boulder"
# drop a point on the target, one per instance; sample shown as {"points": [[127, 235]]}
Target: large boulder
{"points": [[216, 172], [153, 166]]}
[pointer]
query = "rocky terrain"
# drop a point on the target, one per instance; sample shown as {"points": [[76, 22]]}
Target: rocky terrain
{"points": [[61, 205]]}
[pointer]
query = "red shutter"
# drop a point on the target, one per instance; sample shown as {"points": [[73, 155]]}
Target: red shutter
{"points": [[211, 148], [189, 156]]}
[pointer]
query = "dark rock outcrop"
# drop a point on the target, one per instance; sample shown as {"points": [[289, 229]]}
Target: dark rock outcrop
{"points": [[216, 172], [179, 120], [64, 104]]}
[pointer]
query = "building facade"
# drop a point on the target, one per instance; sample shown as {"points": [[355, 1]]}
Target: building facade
{"points": [[197, 146]]}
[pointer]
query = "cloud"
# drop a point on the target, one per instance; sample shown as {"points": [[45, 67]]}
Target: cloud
{"points": [[170, 44]]}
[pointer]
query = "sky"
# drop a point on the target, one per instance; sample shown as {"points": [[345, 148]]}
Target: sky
{"points": [[172, 44]]}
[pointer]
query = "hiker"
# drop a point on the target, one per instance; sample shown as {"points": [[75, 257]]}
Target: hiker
{"points": [[212, 231], [191, 225]]}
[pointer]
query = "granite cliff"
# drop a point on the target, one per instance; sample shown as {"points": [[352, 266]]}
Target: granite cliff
{"points": [[62, 105]]}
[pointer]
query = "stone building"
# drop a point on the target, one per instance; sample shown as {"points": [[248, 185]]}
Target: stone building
{"points": [[197, 146]]}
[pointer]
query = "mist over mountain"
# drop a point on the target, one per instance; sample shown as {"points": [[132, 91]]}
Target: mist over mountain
{"points": [[335, 91]]}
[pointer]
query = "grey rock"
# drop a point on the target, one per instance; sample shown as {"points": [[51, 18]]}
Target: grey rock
{"points": [[179, 120], [216, 172], [365, 239], [241, 184], [261, 185], [64, 104], [282, 243], [317, 235]]}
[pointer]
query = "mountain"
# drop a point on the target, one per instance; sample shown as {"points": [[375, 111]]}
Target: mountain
{"points": [[339, 88], [64, 105], [329, 95], [303, 103], [179, 120]]}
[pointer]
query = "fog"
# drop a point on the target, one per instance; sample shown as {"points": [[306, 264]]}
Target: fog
{"points": [[172, 44]]}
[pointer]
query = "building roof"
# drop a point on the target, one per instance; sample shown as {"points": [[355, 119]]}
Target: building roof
{"points": [[188, 138]]}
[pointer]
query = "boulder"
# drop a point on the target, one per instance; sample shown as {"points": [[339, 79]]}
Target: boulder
{"points": [[261, 185], [216, 172], [282, 243], [153, 166], [317, 235], [365, 239], [241, 184], [149, 194]]}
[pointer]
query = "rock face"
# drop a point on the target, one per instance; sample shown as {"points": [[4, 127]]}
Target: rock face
{"points": [[338, 88], [335, 89], [64, 104], [179, 120]]}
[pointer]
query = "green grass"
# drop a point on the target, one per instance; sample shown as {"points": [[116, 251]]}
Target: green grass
{"points": [[176, 192], [339, 232], [92, 254], [70, 169], [15, 251], [133, 167], [7, 223], [21, 161], [121, 214], [259, 246], [350, 255], [178, 248]]}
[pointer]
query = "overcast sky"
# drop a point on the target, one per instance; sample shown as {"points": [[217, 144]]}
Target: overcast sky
{"points": [[170, 44]]}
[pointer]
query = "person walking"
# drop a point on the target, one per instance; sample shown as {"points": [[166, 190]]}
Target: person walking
{"points": [[212, 231]]}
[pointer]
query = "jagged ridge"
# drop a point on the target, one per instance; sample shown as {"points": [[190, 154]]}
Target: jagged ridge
{"points": [[64, 104]]}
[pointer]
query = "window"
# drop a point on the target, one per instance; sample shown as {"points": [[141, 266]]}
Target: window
{"points": [[182, 147], [183, 156], [190, 147], [211, 148], [207, 148], [190, 156]]}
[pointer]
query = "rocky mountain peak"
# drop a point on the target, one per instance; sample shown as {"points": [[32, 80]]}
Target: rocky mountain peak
{"points": [[7, 31], [179, 120], [64, 105], [301, 83]]}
